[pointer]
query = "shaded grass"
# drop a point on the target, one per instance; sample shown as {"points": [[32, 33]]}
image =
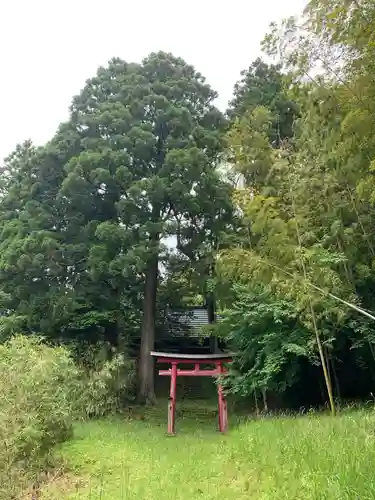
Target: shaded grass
{"points": [[311, 457]]}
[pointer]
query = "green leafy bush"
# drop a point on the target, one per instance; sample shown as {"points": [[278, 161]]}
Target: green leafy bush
{"points": [[42, 392], [268, 340], [38, 389], [108, 376]]}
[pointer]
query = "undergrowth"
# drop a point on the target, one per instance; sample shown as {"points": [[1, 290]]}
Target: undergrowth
{"points": [[312, 457], [42, 393]]}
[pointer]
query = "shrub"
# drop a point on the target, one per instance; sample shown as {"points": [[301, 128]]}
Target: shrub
{"points": [[38, 389], [42, 391], [268, 339], [108, 380]]}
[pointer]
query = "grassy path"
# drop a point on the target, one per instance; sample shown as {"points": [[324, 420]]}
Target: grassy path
{"points": [[292, 458]]}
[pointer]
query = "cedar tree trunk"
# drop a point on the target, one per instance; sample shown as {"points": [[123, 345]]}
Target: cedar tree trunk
{"points": [[146, 364]]}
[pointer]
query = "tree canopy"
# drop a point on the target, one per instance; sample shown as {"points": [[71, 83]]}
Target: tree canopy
{"points": [[287, 259], [135, 164]]}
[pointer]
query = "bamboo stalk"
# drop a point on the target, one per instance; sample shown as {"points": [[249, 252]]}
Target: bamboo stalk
{"points": [[315, 327]]}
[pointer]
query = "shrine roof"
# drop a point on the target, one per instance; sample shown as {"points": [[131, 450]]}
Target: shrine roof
{"points": [[187, 322]]}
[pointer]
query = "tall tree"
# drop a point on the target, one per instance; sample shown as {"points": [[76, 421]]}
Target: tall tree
{"points": [[31, 265], [264, 85], [150, 138], [53, 273]]}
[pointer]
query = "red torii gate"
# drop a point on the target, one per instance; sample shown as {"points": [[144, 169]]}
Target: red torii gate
{"points": [[197, 360]]}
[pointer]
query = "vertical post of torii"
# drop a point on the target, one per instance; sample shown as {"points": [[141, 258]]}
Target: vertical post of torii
{"points": [[197, 360]]}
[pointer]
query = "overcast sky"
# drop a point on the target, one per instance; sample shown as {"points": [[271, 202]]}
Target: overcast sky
{"points": [[48, 48]]}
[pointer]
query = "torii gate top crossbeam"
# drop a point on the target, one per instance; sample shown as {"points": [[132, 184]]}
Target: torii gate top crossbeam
{"points": [[192, 358]]}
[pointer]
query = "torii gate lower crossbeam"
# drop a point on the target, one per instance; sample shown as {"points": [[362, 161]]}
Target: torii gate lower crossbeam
{"points": [[197, 360]]}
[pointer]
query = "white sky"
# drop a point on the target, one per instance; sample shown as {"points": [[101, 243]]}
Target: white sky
{"points": [[48, 48]]}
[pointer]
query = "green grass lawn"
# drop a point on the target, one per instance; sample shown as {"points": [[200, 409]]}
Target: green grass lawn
{"points": [[311, 457]]}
